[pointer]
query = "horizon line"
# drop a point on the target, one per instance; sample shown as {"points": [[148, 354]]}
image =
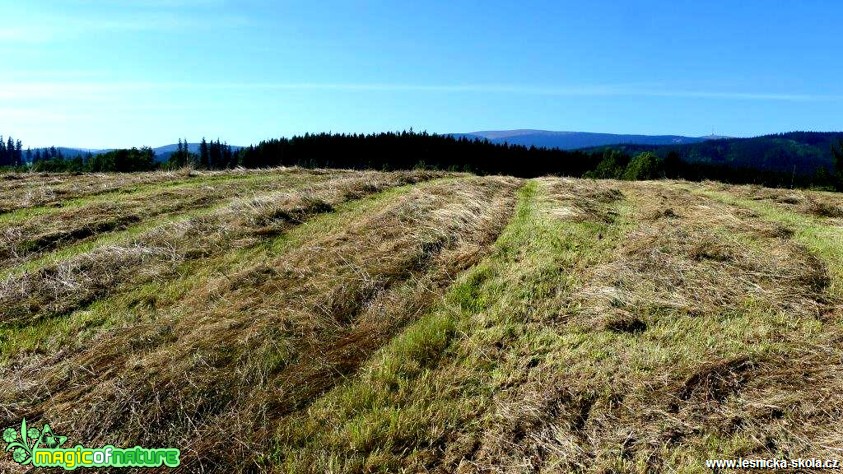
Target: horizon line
{"points": [[108, 148]]}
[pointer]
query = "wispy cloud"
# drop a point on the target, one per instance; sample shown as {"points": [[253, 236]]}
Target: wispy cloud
{"points": [[131, 17], [159, 21], [171, 4], [22, 91], [19, 35], [598, 90]]}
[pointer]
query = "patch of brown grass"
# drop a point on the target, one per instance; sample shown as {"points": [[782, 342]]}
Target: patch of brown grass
{"points": [[59, 288], [24, 240], [824, 208], [814, 203], [230, 361], [636, 392]]}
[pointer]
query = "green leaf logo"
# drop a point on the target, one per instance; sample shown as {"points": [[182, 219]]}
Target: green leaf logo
{"points": [[22, 442], [50, 440], [9, 435]]}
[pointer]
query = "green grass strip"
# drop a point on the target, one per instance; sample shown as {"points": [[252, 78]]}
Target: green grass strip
{"points": [[437, 376], [822, 236]]}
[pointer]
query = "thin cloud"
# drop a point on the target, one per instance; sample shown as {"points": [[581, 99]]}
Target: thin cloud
{"points": [[561, 91], [18, 35], [156, 3], [49, 30], [105, 90], [564, 91]]}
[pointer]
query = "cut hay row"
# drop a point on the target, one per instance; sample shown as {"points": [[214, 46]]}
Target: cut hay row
{"points": [[704, 336], [811, 203], [257, 346], [603, 326], [29, 237], [813, 219], [70, 283], [20, 191], [419, 403], [685, 346], [23, 190], [626, 327]]}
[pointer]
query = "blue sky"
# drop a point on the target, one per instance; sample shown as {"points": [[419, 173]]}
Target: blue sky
{"points": [[116, 73]]}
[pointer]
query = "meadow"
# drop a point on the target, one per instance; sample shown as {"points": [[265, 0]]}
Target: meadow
{"points": [[314, 320]]}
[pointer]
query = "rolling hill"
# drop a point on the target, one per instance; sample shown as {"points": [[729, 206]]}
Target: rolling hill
{"points": [[793, 152], [576, 140], [162, 153], [802, 153]]}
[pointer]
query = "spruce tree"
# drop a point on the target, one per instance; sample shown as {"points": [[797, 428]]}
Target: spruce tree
{"points": [[18, 153], [10, 150], [838, 164], [204, 154]]}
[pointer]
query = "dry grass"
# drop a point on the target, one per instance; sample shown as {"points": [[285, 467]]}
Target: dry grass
{"points": [[460, 325], [75, 282], [28, 234], [259, 343], [815, 203], [28, 190], [699, 337]]}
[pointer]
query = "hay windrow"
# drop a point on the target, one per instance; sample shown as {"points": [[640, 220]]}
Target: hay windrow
{"points": [[290, 329], [59, 288], [466, 324]]}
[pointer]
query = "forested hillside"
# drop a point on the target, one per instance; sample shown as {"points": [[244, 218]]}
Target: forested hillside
{"points": [[803, 153], [798, 159]]}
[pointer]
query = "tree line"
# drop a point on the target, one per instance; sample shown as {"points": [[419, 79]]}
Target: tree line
{"points": [[11, 152], [408, 149], [212, 155]]}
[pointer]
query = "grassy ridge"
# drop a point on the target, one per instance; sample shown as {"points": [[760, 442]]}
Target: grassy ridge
{"points": [[360, 322]]}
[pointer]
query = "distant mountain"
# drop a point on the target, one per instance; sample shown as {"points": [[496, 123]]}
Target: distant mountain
{"points": [[67, 152], [162, 153], [576, 140]]}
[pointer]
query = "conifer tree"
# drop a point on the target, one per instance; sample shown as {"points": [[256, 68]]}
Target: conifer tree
{"points": [[10, 150], [18, 153], [838, 164], [204, 155]]}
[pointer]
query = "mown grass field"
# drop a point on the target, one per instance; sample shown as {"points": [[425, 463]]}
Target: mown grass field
{"points": [[297, 320]]}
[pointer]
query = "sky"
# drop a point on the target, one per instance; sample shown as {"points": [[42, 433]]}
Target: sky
{"points": [[121, 73]]}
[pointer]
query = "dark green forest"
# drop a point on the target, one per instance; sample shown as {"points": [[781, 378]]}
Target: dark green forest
{"points": [[800, 153], [797, 159], [11, 152]]}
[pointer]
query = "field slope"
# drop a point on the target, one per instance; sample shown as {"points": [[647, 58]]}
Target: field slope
{"points": [[295, 320]]}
